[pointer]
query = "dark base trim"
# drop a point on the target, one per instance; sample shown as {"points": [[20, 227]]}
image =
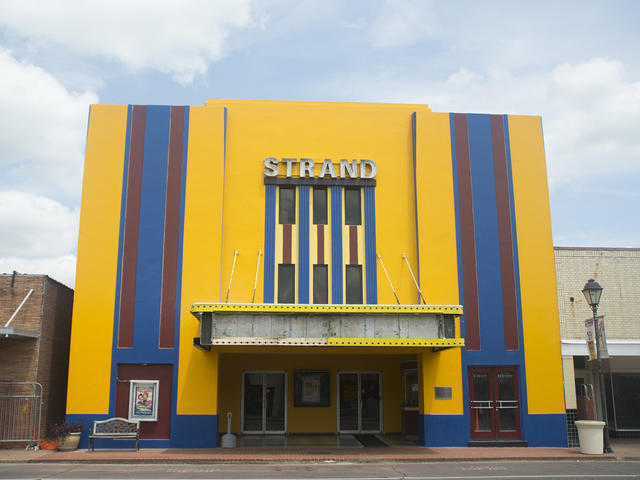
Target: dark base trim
{"points": [[497, 443]]}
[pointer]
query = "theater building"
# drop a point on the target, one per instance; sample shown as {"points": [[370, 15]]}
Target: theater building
{"points": [[316, 268]]}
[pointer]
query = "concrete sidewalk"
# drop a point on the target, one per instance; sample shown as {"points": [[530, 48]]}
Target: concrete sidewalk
{"points": [[625, 449]]}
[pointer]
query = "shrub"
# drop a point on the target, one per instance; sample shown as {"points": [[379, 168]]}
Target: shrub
{"points": [[61, 429]]}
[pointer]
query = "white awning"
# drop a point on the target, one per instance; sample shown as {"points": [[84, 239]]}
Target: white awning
{"points": [[617, 347]]}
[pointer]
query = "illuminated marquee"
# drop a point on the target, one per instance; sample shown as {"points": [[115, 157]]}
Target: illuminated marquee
{"points": [[347, 168]]}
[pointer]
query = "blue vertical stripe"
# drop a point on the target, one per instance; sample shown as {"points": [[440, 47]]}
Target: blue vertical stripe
{"points": [[336, 244], [151, 236], [149, 266], [486, 238], [370, 244], [269, 243], [414, 138], [488, 271], [303, 244]]}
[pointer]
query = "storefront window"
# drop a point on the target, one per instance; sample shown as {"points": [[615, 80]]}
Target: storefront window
{"points": [[626, 392]]}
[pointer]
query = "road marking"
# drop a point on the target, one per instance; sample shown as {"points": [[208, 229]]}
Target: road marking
{"points": [[473, 477]]}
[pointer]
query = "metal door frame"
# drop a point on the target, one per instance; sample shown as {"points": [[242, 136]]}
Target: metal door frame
{"points": [[494, 404], [359, 390], [264, 430]]}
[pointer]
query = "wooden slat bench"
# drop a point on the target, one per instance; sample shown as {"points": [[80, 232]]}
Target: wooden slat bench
{"points": [[115, 428]]}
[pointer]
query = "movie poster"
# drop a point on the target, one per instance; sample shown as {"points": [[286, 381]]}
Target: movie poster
{"points": [[143, 400]]}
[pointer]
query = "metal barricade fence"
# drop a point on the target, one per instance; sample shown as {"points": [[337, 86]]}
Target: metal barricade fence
{"points": [[20, 413]]}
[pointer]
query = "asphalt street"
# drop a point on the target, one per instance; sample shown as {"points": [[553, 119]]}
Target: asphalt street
{"points": [[330, 471]]}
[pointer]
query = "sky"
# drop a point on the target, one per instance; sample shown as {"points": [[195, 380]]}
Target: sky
{"points": [[575, 63]]}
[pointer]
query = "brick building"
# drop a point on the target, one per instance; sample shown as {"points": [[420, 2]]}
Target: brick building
{"points": [[34, 347], [617, 270]]}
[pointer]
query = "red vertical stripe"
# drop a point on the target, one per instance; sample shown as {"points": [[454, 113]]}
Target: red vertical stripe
{"points": [[467, 231], [353, 245], [320, 244], [507, 269], [171, 230], [131, 225], [286, 243]]}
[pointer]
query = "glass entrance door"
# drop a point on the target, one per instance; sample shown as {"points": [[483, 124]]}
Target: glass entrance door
{"points": [[359, 402], [264, 402], [494, 406]]}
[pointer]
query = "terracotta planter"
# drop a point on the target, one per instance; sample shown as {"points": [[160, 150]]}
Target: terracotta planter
{"points": [[69, 442], [48, 444]]}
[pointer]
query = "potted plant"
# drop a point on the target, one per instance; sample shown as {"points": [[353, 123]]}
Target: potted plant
{"points": [[67, 434]]}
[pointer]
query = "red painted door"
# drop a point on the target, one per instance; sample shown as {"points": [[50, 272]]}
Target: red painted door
{"points": [[126, 372], [494, 407]]}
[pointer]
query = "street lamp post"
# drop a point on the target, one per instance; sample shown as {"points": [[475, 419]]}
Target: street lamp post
{"points": [[592, 292]]}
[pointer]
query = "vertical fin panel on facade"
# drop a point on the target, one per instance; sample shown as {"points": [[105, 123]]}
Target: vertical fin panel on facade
{"points": [[467, 233], [94, 298], [336, 245], [514, 236], [135, 156], [436, 210], [183, 190], [487, 243], [435, 220], [198, 371], [171, 229], [146, 328], [503, 208], [537, 266], [244, 210]]}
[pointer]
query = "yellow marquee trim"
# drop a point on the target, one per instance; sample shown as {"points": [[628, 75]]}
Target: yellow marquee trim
{"points": [[341, 342], [288, 308], [397, 342]]}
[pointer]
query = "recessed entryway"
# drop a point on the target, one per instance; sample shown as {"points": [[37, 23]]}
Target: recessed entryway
{"points": [[359, 402], [494, 406], [264, 402]]}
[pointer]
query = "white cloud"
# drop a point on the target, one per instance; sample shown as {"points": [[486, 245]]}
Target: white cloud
{"points": [[399, 24], [179, 38], [592, 117], [42, 129], [62, 269], [36, 227], [39, 235], [590, 110]]}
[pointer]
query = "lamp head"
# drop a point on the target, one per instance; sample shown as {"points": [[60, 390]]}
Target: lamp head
{"points": [[592, 291]]}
